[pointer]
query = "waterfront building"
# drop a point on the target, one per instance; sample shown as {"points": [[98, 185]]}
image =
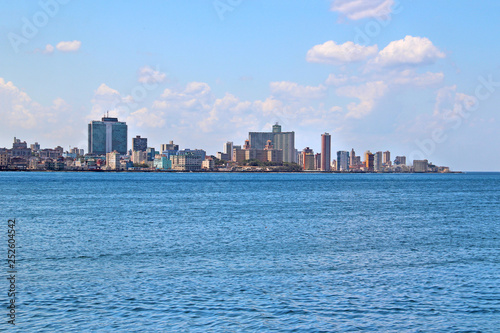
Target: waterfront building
{"points": [[4, 159], [420, 165], [139, 144], [326, 143], [284, 141], [208, 163], [377, 161], [113, 160], [368, 161], [343, 161], [162, 162], [400, 160], [186, 161], [107, 135]]}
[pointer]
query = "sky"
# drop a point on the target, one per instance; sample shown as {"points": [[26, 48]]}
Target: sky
{"points": [[417, 78]]}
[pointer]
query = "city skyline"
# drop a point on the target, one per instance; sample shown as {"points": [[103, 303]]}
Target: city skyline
{"points": [[202, 75]]}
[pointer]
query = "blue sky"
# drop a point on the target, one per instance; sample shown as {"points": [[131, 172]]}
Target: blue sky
{"points": [[417, 78]]}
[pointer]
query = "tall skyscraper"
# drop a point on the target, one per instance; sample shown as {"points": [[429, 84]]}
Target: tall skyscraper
{"points": [[139, 144], [387, 158], [352, 158], [280, 140], [369, 161], [228, 150], [326, 143], [308, 159], [377, 161], [107, 135], [343, 161]]}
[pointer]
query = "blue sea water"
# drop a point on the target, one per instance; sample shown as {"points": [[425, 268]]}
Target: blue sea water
{"points": [[140, 252]]}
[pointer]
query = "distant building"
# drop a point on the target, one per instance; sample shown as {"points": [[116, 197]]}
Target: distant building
{"points": [[352, 158], [4, 159], [326, 143], [223, 156], [317, 161], [368, 161], [400, 160], [284, 141], [386, 158], [35, 147], [113, 160], [343, 161], [20, 149], [139, 157], [308, 159], [150, 153], [162, 162], [18, 163], [420, 165], [377, 161], [169, 147], [51, 153], [208, 163], [107, 135], [77, 152], [139, 144], [268, 154], [187, 161], [228, 150], [334, 165]]}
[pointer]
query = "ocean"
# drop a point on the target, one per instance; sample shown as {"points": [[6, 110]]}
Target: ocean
{"points": [[242, 252]]}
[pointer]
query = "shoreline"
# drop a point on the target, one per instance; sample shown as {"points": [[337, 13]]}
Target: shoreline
{"points": [[243, 171]]}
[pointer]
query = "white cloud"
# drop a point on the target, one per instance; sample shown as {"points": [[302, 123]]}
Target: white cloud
{"points": [[450, 103], [29, 120], [341, 79], [408, 51], [48, 49], [16, 107], [451, 110], [146, 118], [105, 99], [367, 94], [293, 91], [409, 77], [332, 53], [359, 9], [151, 76], [69, 46]]}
